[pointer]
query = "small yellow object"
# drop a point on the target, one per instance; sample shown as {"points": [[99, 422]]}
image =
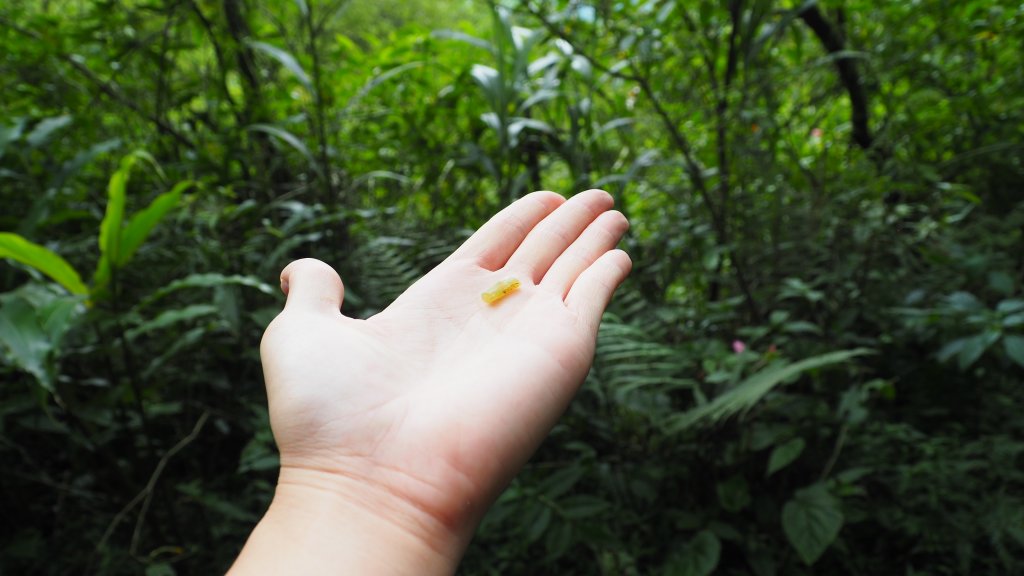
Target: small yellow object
{"points": [[500, 290]]}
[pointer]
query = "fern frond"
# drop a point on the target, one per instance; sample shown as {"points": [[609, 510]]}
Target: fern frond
{"points": [[630, 359], [749, 392], [388, 264]]}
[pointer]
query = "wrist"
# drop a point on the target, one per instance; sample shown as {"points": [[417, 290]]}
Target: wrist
{"points": [[322, 523]]}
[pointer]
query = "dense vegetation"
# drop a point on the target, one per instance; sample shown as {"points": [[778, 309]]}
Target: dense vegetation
{"points": [[817, 366]]}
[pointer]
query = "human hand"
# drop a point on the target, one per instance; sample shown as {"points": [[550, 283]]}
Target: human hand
{"points": [[416, 418]]}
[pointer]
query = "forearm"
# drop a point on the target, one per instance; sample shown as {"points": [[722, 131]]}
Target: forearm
{"points": [[320, 524]]}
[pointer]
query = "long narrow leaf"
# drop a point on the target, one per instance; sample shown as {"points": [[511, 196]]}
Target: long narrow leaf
{"points": [[207, 281], [753, 389], [110, 227], [289, 139], [286, 60], [172, 317], [141, 224], [45, 130], [463, 37], [46, 261], [377, 81]]}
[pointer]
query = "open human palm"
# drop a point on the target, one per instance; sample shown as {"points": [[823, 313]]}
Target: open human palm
{"points": [[431, 406]]}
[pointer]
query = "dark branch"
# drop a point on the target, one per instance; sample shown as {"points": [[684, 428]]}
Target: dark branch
{"points": [[833, 42]]}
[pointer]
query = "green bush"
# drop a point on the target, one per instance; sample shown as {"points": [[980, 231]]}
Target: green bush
{"points": [[815, 367]]}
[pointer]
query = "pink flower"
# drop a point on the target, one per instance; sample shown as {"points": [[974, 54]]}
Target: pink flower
{"points": [[738, 346], [817, 133]]}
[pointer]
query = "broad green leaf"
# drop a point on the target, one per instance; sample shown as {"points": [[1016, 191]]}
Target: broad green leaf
{"points": [[582, 506], [559, 538], [801, 327], [784, 455], [46, 261], [45, 130], [142, 222], [24, 340], [964, 302], [734, 493], [286, 60], [491, 81], [1014, 346], [557, 484], [484, 75], [811, 521], [58, 315], [1010, 306], [974, 347], [581, 65], [749, 392], [1013, 320], [492, 120], [538, 523], [698, 557], [1001, 282], [950, 349]]}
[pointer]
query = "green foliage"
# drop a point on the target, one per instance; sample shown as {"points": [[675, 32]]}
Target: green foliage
{"points": [[699, 557], [21, 250], [141, 224], [749, 392], [812, 520], [784, 454], [119, 240], [806, 182]]}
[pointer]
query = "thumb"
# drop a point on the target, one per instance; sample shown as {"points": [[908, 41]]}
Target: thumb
{"points": [[312, 286]]}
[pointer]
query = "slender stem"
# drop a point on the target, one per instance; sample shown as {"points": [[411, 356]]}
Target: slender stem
{"points": [[320, 120], [145, 495], [151, 485]]}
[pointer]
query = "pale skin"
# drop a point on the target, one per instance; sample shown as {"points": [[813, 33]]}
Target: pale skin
{"points": [[397, 432]]}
